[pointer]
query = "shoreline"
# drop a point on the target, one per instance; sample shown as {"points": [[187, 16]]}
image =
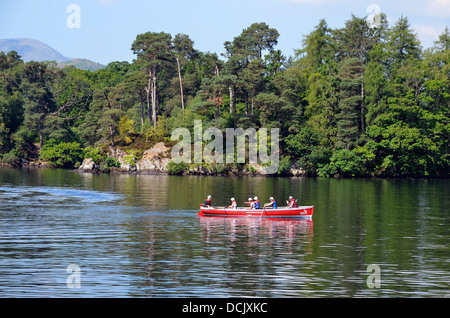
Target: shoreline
{"points": [[119, 171], [156, 161]]}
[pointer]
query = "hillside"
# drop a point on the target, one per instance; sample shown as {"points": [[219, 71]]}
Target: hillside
{"points": [[34, 50], [82, 64]]}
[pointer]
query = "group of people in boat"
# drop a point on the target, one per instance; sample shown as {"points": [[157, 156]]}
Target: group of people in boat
{"points": [[254, 203]]}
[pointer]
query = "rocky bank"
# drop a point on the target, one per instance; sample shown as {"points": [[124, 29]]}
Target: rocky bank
{"points": [[153, 160], [156, 159]]}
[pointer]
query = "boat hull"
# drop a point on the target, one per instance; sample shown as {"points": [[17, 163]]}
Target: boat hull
{"points": [[299, 212]]}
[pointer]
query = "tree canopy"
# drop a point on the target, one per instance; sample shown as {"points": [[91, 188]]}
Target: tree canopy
{"points": [[361, 100]]}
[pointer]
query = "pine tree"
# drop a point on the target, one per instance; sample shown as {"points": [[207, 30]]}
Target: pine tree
{"points": [[154, 54], [318, 47], [350, 75], [402, 44], [39, 100]]}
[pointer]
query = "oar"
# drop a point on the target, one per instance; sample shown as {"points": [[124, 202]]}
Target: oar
{"points": [[264, 209]]}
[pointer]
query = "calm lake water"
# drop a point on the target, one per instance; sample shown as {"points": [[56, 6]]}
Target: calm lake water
{"points": [[140, 236]]}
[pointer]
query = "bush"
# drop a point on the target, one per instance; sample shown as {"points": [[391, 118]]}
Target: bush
{"points": [[176, 168], [100, 158], [62, 155], [95, 154], [112, 162], [11, 159], [284, 166], [104, 168], [344, 163], [132, 157]]}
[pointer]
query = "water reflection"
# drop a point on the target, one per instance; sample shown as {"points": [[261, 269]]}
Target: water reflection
{"points": [[140, 236], [289, 229]]}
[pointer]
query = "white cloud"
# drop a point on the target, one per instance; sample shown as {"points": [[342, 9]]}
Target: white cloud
{"points": [[438, 8], [427, 34], [426, 30], [435, 8]]}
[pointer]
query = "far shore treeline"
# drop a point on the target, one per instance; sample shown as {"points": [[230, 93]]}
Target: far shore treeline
{"points": [[361, 100]]}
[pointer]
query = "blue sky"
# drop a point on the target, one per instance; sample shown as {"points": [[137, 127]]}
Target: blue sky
{"points": [[109, 27]]}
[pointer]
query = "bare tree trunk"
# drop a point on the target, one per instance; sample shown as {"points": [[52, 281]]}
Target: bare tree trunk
{"points": [[217, 69], [181, 82], [153, 93], [147, 89], [142, 109]]}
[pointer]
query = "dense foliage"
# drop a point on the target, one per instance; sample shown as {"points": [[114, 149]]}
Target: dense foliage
{"points": [[356, 101]]}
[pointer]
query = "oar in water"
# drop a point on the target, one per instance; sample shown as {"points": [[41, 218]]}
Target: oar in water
{"points": [[264, 210]]}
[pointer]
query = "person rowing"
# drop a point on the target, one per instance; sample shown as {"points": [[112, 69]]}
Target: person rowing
{"points": [[256, 203], [251, 203], [233, 204], [207, 201], [292, 203], [272, 203]]}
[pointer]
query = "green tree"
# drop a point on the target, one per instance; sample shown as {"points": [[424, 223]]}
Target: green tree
{"points": [[135, 82], [402, 44], [62, 155], [275, 64], [253, 78], [435, 95], [183, 51], [290, 85], [153, 52], [10, 72], [355, 40], [11, 112], [376, 85], [348, 123], [318, 47], [39, 102], [109, 103], [259, 37], [73, 92], [269, 106], [344, 163]]}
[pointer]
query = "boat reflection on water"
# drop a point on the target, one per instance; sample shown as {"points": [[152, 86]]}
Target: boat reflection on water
{"points": [[236, 227]]}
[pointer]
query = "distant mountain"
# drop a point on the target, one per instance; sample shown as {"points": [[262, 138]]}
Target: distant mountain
{"points": [[34, 50], [82, 64]]}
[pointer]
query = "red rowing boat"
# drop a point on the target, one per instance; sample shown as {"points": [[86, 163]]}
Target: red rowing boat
{"points": [[282, 212]]}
